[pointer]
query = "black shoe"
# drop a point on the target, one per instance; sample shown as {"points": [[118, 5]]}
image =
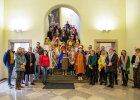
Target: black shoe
{"points": [[93, 84], [109, 86], [90, 83], [96, 81], [105, 83], [11, 84], [123, 84], [116, 83], [101, 83], [32, 83], [44, 83], [134, 87], [26, 84]]}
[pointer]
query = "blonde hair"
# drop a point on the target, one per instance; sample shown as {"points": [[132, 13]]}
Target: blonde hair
{"points": [[102, 52], [18, 50]]}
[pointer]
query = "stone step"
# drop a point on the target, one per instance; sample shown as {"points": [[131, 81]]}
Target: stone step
{"points": [[64, 79], [59, 78]]}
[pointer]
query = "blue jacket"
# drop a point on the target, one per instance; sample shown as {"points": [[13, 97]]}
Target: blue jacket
{"points": [[19, 60], [6, 58]]}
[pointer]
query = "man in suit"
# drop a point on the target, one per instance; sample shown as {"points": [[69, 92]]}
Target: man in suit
{"points": [[111, 66]]}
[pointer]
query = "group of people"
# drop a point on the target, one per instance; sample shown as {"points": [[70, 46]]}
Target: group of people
{"points": [[63, 50]]}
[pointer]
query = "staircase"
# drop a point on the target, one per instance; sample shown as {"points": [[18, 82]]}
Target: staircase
{"points": [[59, 78]]}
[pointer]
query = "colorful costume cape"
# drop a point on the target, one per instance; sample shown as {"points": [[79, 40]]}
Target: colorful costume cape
{"points": [[82, 51], [60, 58]]}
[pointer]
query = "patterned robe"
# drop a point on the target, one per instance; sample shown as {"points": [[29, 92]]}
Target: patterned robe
{"points": [[52, 57], [80, 63]]}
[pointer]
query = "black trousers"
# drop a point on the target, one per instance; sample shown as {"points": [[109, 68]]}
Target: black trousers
{"points": [[71, 67], [124, 78], [111, 78], [103, 76], [116, 76], [92, 75], [80, 74], [96, 74], [87, 71], [136, 76]]}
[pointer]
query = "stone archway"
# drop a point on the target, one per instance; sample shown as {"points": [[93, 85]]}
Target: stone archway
{"points": [[46, 25]]}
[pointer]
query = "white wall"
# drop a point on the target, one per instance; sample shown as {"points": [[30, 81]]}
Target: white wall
{"points": [[132, 27], [2, 67]]}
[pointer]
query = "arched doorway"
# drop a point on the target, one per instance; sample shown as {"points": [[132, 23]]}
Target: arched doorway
{"points": [[62, 12]]}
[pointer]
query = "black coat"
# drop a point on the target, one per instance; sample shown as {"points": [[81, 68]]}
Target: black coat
{"points": [[133, 60], [30, 69], [114, 60]]}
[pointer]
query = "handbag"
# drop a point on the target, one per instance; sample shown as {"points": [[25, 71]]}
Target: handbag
{"points": [[121, 65], [134, 66], [22, 66]]}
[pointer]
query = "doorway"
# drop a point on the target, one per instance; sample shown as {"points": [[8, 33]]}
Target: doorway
{"points": [[19, 43], [107, 43]]}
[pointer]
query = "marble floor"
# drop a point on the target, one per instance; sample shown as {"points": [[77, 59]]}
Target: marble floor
{"points": [[83, 91]]}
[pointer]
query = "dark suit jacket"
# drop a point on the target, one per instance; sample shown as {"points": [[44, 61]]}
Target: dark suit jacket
{"points": [[114, 60], [133, 60], [30, 69]]}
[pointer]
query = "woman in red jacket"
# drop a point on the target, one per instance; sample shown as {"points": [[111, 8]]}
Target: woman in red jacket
{"points": [[45, 64]]}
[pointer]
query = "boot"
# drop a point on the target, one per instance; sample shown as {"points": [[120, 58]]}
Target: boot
{"points": [[81, 78], [78, 78], [65, 73], [116, 82], [70, 72], [17, 88]]}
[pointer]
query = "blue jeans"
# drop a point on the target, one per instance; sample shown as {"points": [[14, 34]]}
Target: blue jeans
{"points": [[44, 71], [10, 70], [37, 71]]}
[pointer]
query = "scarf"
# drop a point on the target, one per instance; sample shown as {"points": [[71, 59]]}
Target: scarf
{"points": [[103, 58], [110, 56], [137, 60], [124, 61]]}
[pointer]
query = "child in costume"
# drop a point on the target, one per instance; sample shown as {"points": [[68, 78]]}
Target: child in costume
{"points": [[63, 62], [69, 42], [57, 52], [47, 43], [80, 63], [53, 41], [62, 47], [53, 62], [72, 55]]}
